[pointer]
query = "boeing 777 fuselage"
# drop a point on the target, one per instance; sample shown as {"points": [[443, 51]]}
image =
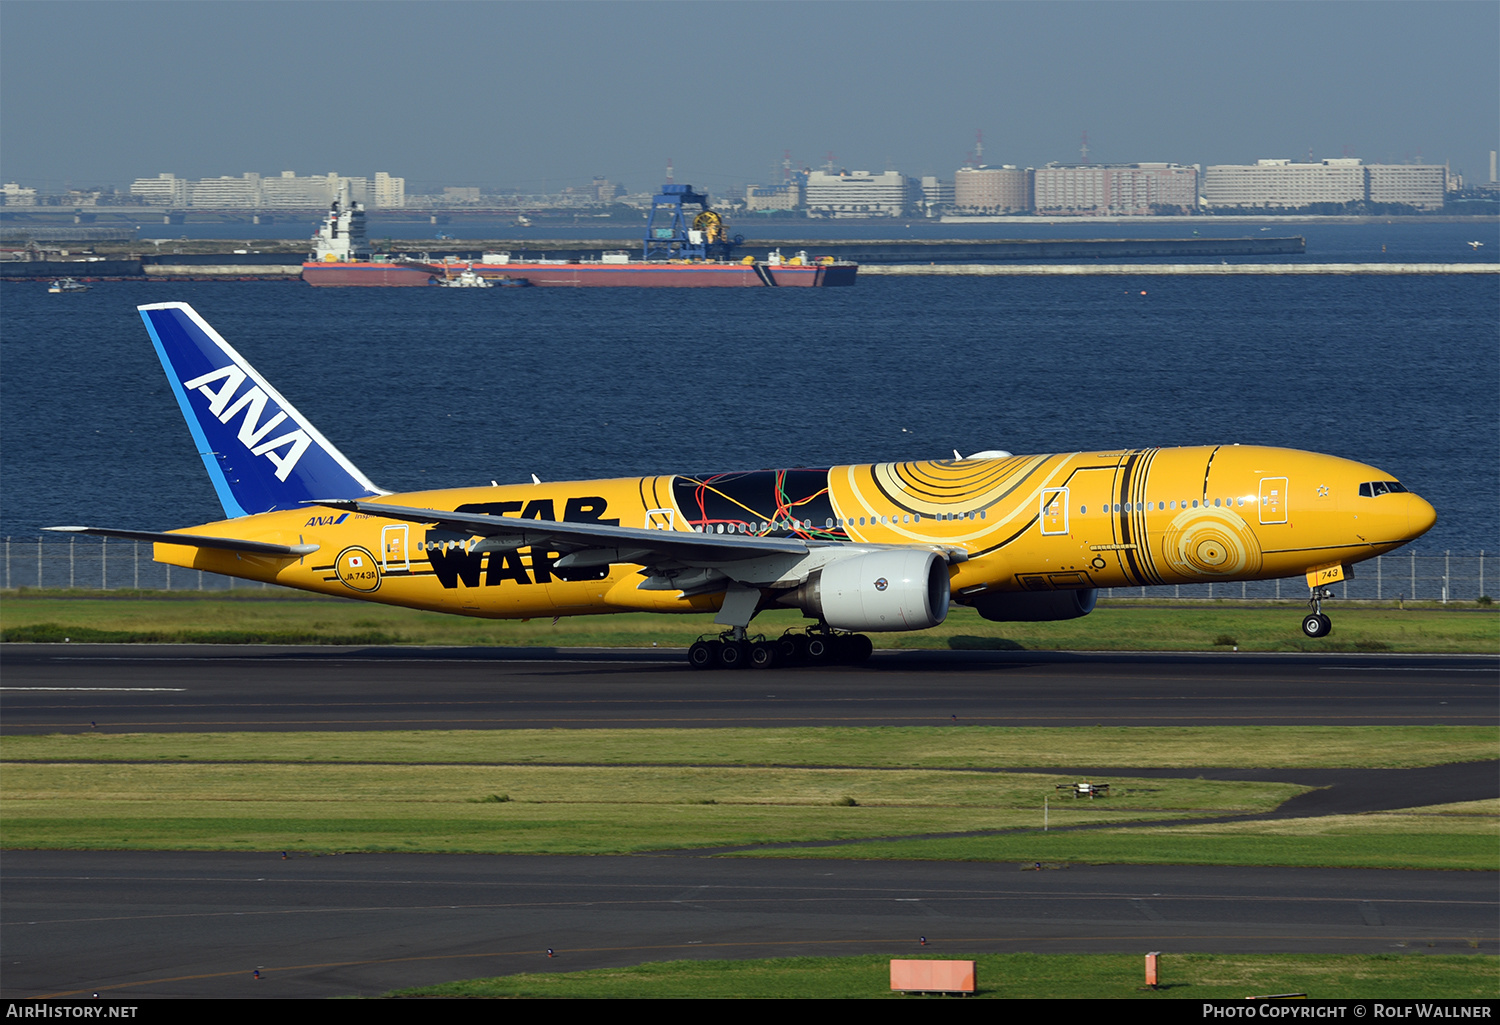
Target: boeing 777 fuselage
{"points": [[873, 547]]}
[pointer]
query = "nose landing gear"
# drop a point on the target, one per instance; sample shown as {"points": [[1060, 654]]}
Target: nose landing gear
{"points": [[1316, 624]]}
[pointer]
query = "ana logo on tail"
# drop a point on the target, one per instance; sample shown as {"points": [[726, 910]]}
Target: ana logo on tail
{"points": [[252, 431]]}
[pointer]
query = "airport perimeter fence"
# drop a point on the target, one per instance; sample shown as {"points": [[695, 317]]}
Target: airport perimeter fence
{"points": [[99, 564]]}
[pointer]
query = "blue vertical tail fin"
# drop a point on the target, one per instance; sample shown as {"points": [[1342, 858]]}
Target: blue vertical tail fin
{"points": [[260, 452]]}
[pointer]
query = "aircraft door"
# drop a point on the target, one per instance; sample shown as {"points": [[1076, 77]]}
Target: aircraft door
{"points": [[394, 548], [1054, 511], [1273, 499], [660, 519]]}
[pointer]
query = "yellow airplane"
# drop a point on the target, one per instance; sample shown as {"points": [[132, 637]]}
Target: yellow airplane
{"points": [[877, 547]]}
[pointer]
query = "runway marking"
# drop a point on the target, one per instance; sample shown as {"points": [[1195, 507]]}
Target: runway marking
{"points": [[1407, 669], [887, 942], [146, 690], [871, 894]]}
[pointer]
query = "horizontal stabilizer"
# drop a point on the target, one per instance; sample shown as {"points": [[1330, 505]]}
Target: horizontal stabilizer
{"points": [[232, 544]]}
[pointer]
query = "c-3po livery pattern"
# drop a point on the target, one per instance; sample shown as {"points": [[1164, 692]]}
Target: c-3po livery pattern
{"points": [[871, 547]]}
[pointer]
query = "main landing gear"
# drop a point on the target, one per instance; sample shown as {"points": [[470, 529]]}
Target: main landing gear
{"points": [[818, 646], [1316, 624]]}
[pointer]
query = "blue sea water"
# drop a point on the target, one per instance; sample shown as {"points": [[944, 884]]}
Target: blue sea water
{"points": [[437, 387]]}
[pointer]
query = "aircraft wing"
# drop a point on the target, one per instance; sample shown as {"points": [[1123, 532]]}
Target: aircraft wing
{"points": [[633, 544], [232, 544]]}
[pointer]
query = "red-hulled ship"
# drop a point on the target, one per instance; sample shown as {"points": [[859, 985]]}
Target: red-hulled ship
{"points": [[674, 255]]}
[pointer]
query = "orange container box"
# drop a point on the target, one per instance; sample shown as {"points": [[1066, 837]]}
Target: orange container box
{"points": [[932, 976]]}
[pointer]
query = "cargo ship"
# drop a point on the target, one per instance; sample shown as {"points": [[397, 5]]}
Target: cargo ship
{"points": [[675, 253]]}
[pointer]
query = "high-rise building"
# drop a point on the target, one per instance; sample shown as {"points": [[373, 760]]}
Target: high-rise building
{"points": [[1286, 184], [226, 193], [12, 194], [992, 190], [287, 190], [786, 196], [1424, 186], [856, 194], [936, 193], [390, 192], [1128, 189], [163, 190]]}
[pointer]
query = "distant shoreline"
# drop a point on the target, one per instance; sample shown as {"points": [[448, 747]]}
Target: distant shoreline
{"points": [[18, 216]]}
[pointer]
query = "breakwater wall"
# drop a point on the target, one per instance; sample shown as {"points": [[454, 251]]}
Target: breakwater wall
{"points": [[1030, 250], [164, 267], [1204, 269]]}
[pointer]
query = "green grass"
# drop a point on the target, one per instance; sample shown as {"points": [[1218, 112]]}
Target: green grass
{"points": [[1020, 976], [552, 810], [278, 616], [877, 791], [911, 747]]}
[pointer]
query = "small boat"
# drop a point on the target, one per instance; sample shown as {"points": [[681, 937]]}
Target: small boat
{"points": [[465, 279], [67, 285]]}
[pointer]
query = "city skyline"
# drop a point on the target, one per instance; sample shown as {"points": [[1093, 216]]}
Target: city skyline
{"points": [[541, 96]]}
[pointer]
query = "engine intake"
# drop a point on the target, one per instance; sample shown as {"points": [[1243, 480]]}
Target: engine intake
{"points": [[1036, 606], [894, 590]]}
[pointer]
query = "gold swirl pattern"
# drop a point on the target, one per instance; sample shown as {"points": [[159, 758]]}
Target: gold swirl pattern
{"points": [[1211, 542]]}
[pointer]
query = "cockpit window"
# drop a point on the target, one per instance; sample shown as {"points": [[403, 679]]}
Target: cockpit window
{"points": [[1381, 487]]}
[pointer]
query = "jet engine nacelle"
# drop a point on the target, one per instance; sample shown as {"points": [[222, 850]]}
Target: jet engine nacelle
{"points": [[892, 590], [1036, 606]]}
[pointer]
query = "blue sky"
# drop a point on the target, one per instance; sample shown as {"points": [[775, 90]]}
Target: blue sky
{"points": [[542, 95]]}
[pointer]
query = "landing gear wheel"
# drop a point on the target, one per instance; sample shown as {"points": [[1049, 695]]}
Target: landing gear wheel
{"points": [[788, 648], [821, 650], [733, 655], [860, 648], [764, 655], [1317, 625], [701, 655]]}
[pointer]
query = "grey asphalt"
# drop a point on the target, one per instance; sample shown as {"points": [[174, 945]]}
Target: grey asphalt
{"points": [[130, 924], [61, 688]]}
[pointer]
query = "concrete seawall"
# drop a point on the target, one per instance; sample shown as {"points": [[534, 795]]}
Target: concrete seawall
{"points": [[234, 270], [1032, 269]]}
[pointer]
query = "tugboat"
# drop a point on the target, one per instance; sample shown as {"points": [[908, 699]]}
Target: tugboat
{"points": [[67, 285], [465, 279]]}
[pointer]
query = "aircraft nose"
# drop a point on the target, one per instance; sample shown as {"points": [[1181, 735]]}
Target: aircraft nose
{"points": [[1420, 516]]}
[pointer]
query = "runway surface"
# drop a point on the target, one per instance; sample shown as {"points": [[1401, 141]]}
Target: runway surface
{"points": [[129, 924], [61, 688]]}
